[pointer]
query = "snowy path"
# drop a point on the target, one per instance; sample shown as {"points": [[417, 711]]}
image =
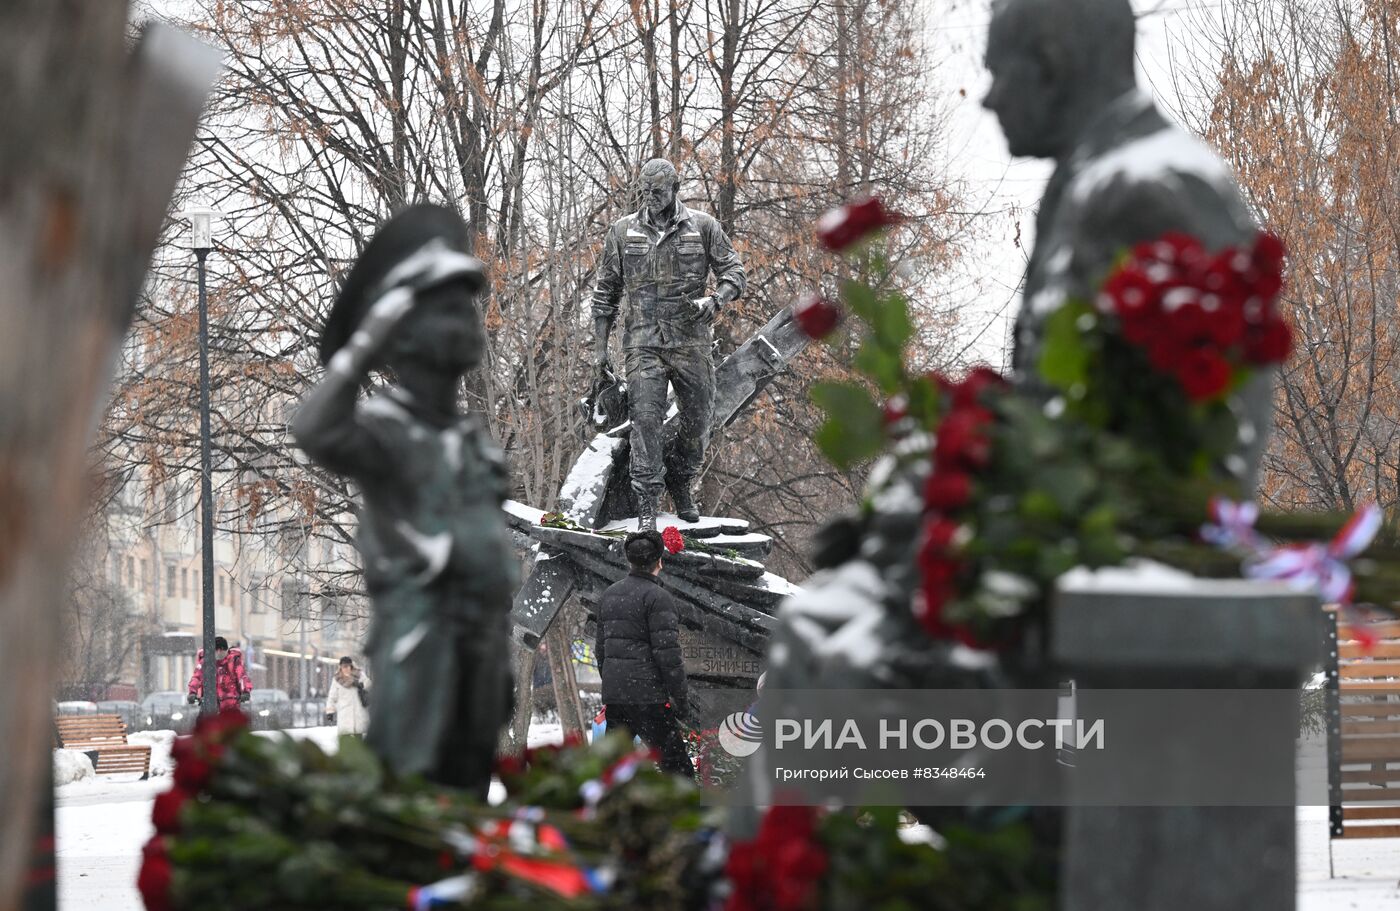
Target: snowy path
{"points": [[102, 825], [1368, 870]]}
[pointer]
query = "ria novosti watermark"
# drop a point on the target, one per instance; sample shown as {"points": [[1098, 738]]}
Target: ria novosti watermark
{"points": [[1013, 747], [933, 734]]}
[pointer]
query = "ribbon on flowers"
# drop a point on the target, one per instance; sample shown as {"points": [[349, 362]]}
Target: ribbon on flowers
{"points": [[447, 893], [560, 877], [1320, 567], [507, 844], [1232, 524], [618, 773]]}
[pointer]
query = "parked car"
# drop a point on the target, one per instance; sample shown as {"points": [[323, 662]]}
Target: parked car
{"points": [[130, 712], [75, 707], [308, 713], [271, 710], [167, 710]]}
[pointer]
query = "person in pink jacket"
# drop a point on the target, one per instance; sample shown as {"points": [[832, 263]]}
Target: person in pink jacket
{"points": [[231, 677]]}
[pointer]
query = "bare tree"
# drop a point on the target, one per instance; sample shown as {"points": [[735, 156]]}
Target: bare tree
{"points": [[533, 118], [101, 626], [1300, 96]]}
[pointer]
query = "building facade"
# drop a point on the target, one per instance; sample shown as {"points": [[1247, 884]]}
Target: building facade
{"points": [[269, 596]]}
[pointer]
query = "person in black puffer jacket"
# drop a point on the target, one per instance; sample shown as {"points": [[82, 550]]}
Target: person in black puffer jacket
{"points": [[639, 656]]}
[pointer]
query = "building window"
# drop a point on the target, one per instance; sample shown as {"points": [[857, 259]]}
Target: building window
{"points": [[222, 599], [170, 580], [184, 582], [145, 574], [130, 572], [116, 571]]}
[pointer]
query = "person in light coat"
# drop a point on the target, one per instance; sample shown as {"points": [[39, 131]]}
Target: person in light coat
{"points": [[347, 703]]}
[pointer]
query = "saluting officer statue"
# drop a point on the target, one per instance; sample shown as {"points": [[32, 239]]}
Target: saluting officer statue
{"points": [[437, 562], [660, 257]]}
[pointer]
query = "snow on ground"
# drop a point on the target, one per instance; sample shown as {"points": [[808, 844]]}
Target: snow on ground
{"points": [[70, 766], [102, 825]]}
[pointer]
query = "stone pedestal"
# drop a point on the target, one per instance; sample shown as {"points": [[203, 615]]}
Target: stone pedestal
{"points": [[1114, 630]]}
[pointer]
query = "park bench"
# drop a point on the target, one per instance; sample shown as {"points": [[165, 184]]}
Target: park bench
{"points": [[1363, 755], [104, 736]]}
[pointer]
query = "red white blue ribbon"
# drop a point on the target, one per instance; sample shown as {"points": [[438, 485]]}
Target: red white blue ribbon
{"points": [[1320, 567], [1231, 525], [618, 773], [447, 893]]}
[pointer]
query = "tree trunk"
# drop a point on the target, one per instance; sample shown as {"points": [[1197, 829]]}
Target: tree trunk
{"points": [[87, 165], [523, 667], [729, 105], [561, 670], [676, 140]]}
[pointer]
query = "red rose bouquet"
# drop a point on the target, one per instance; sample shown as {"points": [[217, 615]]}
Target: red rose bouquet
{"points": [[1120, 437]]}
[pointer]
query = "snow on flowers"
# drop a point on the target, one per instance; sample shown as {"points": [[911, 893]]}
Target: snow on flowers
{"points": [[1201, 318], [1114, 442]]}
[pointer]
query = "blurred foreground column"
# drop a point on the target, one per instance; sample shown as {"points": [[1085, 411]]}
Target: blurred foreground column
{"points": [[1238, 637], [92, 140]]}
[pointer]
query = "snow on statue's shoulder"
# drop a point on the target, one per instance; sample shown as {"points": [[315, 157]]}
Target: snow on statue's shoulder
{"points": [[1161, 157]]}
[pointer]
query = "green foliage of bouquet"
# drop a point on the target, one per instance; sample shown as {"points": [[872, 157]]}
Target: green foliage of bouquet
{"points": [[277, 823], [1126, 440]]}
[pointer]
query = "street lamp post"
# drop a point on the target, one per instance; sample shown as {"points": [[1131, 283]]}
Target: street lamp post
{"points": [[201, 242]]}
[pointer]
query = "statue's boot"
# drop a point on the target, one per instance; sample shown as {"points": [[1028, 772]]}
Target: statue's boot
{"points": [[684, 498], [646, 513]]}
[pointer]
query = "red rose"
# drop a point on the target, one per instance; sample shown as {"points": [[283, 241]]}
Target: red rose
{"points": [[1219, 278], [1189, 324], [155, 877], [1165, 353], [1270, 342], [1140, 327], [1226, 327], [672, 540], [961, 441], [938, 570], [165, 812], [781, 869], [841, 227], [1268, 254], [947, 491], [1129, 292], [939, 535], [509, 766], [967, 394], [193, 773], [1173, 248], [220, 726], [816, 316], [1203, 374]]}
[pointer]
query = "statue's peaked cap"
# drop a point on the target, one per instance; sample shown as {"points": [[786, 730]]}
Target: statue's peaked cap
{"points": [[396, 240]]}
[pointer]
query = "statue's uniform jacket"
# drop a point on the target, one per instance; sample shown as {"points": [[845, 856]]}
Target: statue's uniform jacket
{"points": [[661, 271], [442, 574]]}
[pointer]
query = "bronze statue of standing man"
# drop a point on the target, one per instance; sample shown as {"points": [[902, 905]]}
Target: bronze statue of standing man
{"points": [[661, 257], [438, 565]]}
